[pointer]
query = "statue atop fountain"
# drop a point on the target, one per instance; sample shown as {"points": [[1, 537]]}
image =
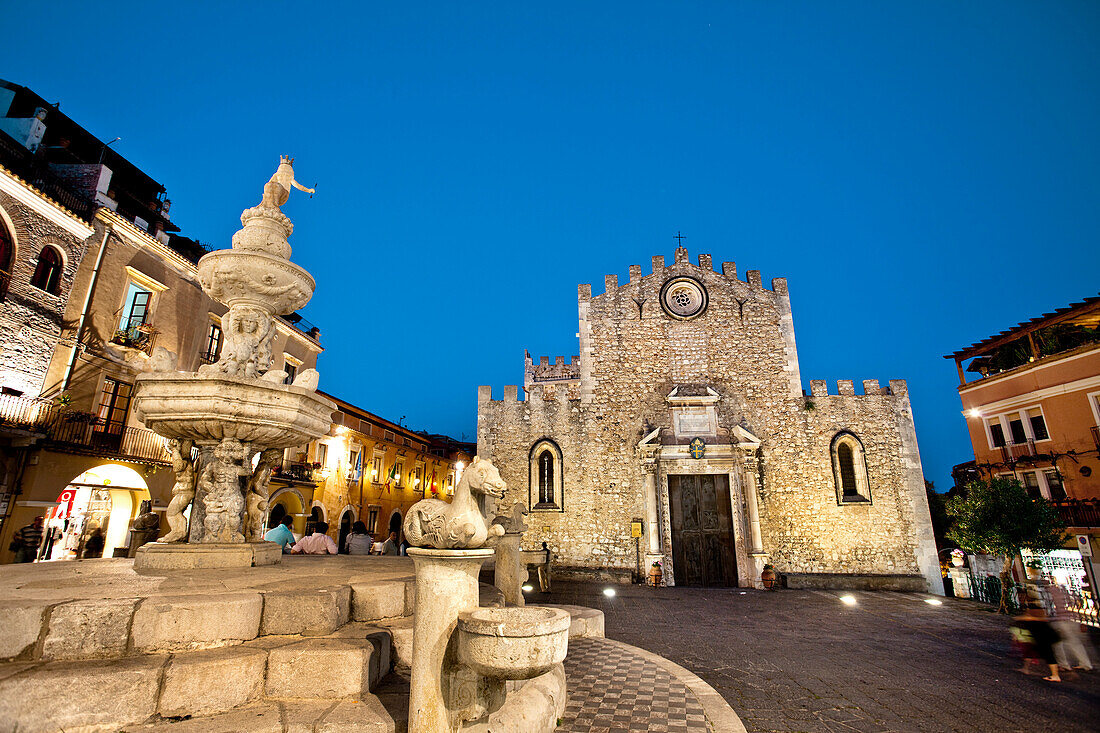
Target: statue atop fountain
{"points": [[229, 423]]}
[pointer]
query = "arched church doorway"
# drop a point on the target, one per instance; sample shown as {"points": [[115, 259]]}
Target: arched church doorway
{"points": [[702, 530], [345, 529], [104, 500]]}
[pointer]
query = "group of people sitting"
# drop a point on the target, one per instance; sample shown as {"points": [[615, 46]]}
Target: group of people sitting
{"points": [[358, 541]]}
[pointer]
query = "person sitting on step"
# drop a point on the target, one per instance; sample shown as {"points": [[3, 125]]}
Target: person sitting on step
{"points": [[318, 543]]}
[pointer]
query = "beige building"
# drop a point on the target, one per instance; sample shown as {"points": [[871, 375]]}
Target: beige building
{"points": [[366, 469], [681, 435], [1031, 401]]}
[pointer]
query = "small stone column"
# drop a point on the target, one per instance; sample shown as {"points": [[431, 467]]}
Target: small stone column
{"points": [[653, 531], [446, 586], [510, 571], [751, 503]]}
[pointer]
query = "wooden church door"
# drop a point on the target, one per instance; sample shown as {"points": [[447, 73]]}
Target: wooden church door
{"points": [[702, 530]]}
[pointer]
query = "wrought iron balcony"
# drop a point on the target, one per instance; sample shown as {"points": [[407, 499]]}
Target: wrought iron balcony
{"points": [[294, 471], [1079, 512], [1096, 435], [73, 431], [1017, 450], [141, 337]]}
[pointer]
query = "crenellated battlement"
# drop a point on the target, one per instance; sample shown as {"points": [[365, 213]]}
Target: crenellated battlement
{"points": [[544, 371], [703, 262], [535, 395], [847, 388]]}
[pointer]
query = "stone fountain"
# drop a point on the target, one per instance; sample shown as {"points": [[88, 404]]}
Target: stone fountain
{"points": [[229, 423], [476, 669]]}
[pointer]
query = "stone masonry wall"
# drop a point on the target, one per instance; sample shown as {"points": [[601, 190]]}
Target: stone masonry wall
{"points": [[30, 318], [632, 356]]}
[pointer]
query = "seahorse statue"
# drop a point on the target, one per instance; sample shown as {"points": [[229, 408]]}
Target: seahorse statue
{"points": [[459, 525]]}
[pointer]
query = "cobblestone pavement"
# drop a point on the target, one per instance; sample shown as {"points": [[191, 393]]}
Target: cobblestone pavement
{"points": [[612, 688], [803, 661]]}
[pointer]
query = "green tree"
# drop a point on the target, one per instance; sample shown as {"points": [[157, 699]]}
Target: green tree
{"points": [[997, 517], [937, 510]]}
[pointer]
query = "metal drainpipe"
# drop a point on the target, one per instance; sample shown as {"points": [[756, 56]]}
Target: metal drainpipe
{"points": [[84, 310]]}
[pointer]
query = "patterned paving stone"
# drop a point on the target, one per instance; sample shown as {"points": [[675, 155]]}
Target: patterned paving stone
{"points": [[614, 689]]}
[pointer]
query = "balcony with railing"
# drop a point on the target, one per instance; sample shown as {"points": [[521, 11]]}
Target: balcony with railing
{"points": [[295, 472], [142, 337], [1096, 436], [74, 431], [1016, 450], [1079, 512]]}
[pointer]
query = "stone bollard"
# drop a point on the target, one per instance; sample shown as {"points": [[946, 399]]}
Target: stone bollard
{"points": [[446, 586], [510, 571]]}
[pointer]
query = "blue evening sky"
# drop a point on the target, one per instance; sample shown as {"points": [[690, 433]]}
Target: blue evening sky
{"points": [[924, 173]]}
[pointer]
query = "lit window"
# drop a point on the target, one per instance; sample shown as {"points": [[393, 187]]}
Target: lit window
{"points": [[47, 273]]}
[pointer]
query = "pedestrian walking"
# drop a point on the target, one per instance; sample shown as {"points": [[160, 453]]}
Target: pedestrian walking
{"points": [[1036, 638], [27, 540], [1071, 652]]}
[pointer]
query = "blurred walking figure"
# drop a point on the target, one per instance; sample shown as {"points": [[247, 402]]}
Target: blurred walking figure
{"points": [[1071, 651], [1036, 637]]}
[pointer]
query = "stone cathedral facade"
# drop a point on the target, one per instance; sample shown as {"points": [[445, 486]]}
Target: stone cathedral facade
{"points": [[683, 420]]}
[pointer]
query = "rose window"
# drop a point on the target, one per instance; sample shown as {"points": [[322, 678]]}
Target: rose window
{"points": [[683, 298]]}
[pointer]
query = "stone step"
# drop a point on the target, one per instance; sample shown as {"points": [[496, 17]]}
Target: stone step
{"points": [[108, 694], [121, 627], [360, 716]]}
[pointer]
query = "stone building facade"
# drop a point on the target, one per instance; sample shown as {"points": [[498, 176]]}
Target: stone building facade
{"points": [[681, 435], [38, 238]]}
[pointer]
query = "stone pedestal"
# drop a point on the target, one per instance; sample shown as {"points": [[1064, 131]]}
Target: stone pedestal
{"points": [[446, 586], [183, 556], [510, 571]]}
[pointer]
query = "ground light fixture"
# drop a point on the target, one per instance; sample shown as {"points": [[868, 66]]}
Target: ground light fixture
{"points": [[933, 601], [527, 588], [848, 600], [609, 592]]}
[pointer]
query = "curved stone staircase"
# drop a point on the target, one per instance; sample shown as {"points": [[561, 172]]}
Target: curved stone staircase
{"points": [[278, 660]]}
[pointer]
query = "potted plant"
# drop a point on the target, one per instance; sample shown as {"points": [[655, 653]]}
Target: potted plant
{"points": [[769, 577], [655, 573], [957, 558]]}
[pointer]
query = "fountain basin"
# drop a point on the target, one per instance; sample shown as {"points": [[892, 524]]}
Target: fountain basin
{"points": [[211, 407], [246, 276], [514, 643]]}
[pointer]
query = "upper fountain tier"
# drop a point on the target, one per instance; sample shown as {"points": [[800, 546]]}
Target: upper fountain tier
{"points": [[257, 270]]}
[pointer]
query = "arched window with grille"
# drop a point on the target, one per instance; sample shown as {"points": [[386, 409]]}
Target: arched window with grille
{"points": [[47, 273], [546, 493], [850, 469]]}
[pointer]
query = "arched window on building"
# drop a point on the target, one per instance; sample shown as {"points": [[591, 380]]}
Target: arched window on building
{"points": [[7, 254], [850, 469], [546, 477], [545, 493], [47, 273]]}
